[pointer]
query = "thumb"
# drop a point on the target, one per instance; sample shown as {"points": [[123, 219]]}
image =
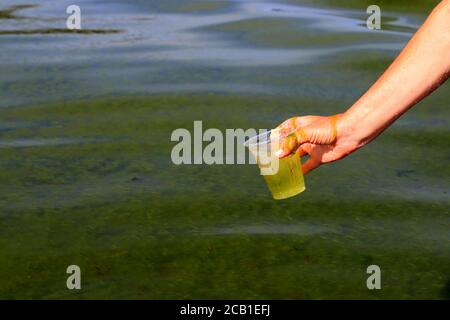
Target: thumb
{"points": [[293, 141]]}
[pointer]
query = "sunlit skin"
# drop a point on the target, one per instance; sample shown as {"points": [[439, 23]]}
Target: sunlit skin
{"points": [[421, 67]]}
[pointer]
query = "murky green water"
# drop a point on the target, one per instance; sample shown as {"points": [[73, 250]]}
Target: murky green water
{"points": [[86, 176]]}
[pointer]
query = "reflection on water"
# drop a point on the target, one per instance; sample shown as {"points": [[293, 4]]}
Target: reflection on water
{"points": [[38, 142], [178, 51], [10, 11], [54, 31], [296, 229], [86, 176]]}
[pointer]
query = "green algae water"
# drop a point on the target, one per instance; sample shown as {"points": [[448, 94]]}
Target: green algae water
{"points": [[288, 181], [86, 176]]}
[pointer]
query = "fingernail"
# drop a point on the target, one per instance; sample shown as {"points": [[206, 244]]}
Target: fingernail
{"points": [[279, 153]]}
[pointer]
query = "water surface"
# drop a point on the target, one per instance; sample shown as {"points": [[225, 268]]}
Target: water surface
{"points": [[86, 176]]}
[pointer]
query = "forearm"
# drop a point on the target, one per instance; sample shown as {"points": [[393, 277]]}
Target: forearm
{"points": [[420, 68]]}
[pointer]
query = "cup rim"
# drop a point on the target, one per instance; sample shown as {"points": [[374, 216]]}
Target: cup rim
{"points": [[257, 141]]}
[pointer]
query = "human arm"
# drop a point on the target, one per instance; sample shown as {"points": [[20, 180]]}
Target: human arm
{"points": [[421, 67]]}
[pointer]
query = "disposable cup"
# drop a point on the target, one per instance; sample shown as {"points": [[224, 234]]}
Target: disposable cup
{"points": [[283, 177]]}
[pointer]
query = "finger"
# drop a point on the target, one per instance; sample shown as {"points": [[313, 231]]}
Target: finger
{"points": [[310, 165], [304, 149], [293, 133], [302, 134], [306, 120], [288, 124], [322, 131], [295, 122], [286, 146], [289, 144], [301, 152]]}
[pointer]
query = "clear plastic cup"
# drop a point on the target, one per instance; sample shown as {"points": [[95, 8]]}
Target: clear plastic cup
{"points": [[283, 177]]}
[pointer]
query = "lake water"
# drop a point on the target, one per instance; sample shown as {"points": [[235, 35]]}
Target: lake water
{"points": [[86, 176]]}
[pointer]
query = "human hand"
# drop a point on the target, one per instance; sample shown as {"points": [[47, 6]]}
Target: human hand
{"points": [[324, 139], [421, 67]]}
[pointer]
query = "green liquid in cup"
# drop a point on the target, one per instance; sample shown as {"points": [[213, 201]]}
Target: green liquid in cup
{"points": [[283, 177], [288, 181]]}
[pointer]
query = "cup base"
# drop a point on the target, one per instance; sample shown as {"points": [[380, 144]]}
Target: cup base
{"points": [[288, 194]]}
